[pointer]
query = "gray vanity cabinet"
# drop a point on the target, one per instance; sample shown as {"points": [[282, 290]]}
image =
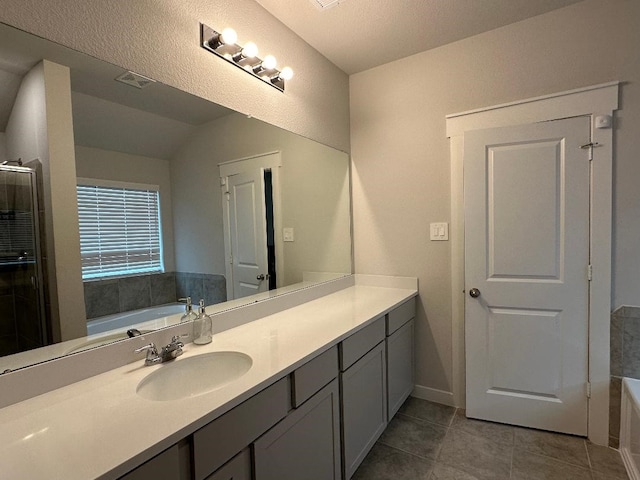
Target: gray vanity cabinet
{"points": [[305, 444], [400, 352], [319, 423], [221, 440], [363, 392]]}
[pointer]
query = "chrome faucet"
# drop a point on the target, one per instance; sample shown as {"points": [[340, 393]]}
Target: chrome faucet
{"points": [[152, 354], [173, 349], [167, 353]]}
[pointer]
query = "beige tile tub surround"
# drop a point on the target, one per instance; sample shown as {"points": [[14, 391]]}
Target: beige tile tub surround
{"points": [[625, 361]]}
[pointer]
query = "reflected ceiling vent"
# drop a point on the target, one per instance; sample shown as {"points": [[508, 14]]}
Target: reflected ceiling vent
{"points": [[135, 79], [326, 4]]}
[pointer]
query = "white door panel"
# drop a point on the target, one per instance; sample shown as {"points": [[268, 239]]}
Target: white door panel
{"points": [[517, 174], [248, 232], [527, 251]]}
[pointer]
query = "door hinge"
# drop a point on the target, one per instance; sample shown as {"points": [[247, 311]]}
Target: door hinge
{"points": [[589, 272], [588, 389], [590, 146], [231, 259]]}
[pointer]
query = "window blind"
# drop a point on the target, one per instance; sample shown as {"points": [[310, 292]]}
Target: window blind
{"points": [[120, 232]]}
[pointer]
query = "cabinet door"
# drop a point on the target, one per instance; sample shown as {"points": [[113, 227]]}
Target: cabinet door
{"points": [[364, 407], [238, 468], [399, 367], [165, 466], [305, 444]]}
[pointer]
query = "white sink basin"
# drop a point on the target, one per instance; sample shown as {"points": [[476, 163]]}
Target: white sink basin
{"points": [[194, 376]]}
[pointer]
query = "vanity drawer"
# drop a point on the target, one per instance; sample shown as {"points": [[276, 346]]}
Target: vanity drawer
{"points": [[354, 347], [220, 440], [313, 375], [401, 315]]}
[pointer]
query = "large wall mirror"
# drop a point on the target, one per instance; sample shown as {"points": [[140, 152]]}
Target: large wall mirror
{"points": [[243, 210]]}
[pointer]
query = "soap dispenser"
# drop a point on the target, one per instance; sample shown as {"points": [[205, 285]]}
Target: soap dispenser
{"points": [[202, 327], [189, 314]]}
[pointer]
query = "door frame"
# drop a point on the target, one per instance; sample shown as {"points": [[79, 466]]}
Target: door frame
{"points": [[268, 160], [592, 101]]}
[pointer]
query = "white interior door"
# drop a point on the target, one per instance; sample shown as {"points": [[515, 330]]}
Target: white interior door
{"points": [[526, 201], [248, 233]]}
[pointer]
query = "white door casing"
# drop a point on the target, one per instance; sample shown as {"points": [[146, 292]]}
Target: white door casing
{"points": [[593, 100], [526, 196]]}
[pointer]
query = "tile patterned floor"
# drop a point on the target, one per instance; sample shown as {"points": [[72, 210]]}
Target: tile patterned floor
{"points": [[428, 441]]}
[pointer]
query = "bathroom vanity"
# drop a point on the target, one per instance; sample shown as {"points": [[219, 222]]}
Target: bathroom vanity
{"points": [[326, 377]]}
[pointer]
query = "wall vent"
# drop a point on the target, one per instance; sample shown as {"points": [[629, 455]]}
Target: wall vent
{"points": [[135, 79], [325, 4]]}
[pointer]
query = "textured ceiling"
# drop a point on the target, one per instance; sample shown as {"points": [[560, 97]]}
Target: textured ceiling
{"points": [[357, 35]]}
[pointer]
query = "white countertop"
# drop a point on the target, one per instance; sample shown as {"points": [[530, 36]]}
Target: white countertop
{"points": [[100, 427]]}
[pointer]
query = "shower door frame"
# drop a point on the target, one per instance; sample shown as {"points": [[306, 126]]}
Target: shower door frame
{"points": [[46, 334]]}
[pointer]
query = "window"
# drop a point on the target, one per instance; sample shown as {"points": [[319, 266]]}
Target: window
{"points": [[120, 231]]}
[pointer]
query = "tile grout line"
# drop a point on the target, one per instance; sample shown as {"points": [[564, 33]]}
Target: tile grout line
{"points": [[402, 414], [380, 440], [448, 429], [588, 458], [407, 452], [513, 451], [556, 459], [453, 417]]}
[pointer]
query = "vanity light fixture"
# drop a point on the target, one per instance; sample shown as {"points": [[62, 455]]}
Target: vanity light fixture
{"points": [[224, 45]]}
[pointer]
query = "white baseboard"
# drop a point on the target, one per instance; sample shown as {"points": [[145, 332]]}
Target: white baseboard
{"points": [[433, 395], [629, 464]]}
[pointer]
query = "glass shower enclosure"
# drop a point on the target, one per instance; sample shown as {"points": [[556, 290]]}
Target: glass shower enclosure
{"points": [[23, 323]]}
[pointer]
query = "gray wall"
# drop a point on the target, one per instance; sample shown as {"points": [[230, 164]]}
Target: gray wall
{"points": [[314, 197], [400, 152]]}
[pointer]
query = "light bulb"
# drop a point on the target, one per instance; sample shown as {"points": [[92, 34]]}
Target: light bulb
{"points": [[286, 73], [269, 62], [250, 50], [228, 36]]}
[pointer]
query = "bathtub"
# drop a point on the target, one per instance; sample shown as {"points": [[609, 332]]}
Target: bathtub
{"points": [[630, 427], [150, 318]]}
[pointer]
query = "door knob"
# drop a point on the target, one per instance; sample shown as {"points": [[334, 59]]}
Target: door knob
{"points": [[474, 292], [262, 276]]}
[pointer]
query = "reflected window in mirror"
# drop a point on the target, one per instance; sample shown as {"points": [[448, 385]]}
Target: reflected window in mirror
{"points": [[120, 229]]}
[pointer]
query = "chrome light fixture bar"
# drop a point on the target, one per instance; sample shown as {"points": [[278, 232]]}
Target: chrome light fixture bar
{"points": [[224, 45]]}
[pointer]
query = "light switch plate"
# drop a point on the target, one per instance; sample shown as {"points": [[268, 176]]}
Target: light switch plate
{"points": [[287, 234], [439, 231]]}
